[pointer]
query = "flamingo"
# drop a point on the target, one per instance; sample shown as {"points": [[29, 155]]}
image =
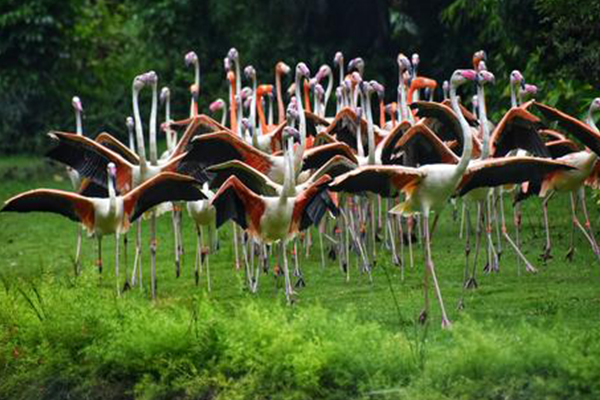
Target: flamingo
{"points": [[107, 216], [427, 188], [277, 218], [204, 215], [191, 58], [219, 105], [573, 181]]}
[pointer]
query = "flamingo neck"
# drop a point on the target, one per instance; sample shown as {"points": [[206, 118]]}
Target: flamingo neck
{"points": [[589, 119], [253, 107], [513, 95], [232, 107], [78, 122], [261, 114], [139, 132], [404, 114], [301, 116], [170, 144], [307, 95], [381, 113], [224, 116], [483, 121], [280, 108], [131, 141], [466, 131], [270, 117], [370, 130], [359, 145], [153, 119], [288, 175], [112, 195], [327, 92], [238, 96], [341, 65]]}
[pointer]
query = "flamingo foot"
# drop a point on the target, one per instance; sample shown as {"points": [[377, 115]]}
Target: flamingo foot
{"points": [[300, 283], [460, 306], [530, 268], [446, 324], [471, 283], [126, 286], [423, 317], [570, 254], [545, 256]]}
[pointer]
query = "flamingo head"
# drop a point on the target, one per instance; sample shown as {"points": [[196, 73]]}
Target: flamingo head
{"points": [[247, 125], [291, 132], [595, 106], [282, 68], [356, 64], [403, 63], [195, 91], [227, 64], [250, 72], [415, 60], [112, 172], [478, 57], [356, 78], [129, 123], [216, 105], [461, 76], [138, 83], [339, 92], [323, 72], [365, 87], [233, 54], [76, 103], [338, 59], [165, 95], [231, 76], [246, 93], [265, 90], [516, 78], [150, 78], [530, 89], [446, 86], [378, 88], [319, 91], [191, 58], [292, 111], [484, 76], [302, 71]]}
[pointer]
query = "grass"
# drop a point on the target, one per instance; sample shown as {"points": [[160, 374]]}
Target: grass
{"points": [[520, 335]]}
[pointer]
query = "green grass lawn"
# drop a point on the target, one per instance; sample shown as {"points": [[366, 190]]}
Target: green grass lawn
{"points": [[519, 336]]}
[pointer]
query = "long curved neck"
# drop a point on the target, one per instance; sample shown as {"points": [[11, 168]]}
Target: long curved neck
{"points": [[253, 104], [359, 145], [170, 143], [270, 117], [341, 67], [232, 107], [139, 132], [78, 122], [153, 119], [370, 130], [466, 131], [261, 113], [402, 99], [307, 95], [513, 95], [224, 116], [301, 116], [483, 121], [238, 96], [131, 140], [112, 195], [288, 176], [280, 107], [381, 113], [327, 93]]}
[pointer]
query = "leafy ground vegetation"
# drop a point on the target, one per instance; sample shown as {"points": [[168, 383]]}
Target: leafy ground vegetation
{"points": [[520, 336]]}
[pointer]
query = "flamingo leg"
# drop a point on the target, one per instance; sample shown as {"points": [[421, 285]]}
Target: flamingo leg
{"points": [[137, 261], [286, 274], [528, 266], [153, 255], [589, 235], [546, 254], [321, 228], [203, 260], [431, 268], [571, 250], [467, 250], [493, 257], [499, 203], [409, 224], [78, 251], [197, 262], [125, 256], [235, 246], [462, 220], [176, 240], [401, 241], [100, 254], [472, 282], [117, 242], [517, 215]]}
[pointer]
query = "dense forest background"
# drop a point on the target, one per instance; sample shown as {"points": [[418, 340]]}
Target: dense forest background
{"points": [[51, 50]]}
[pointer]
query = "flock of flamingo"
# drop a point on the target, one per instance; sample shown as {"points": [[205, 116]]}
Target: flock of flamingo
{"points": [[364, 185]]}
